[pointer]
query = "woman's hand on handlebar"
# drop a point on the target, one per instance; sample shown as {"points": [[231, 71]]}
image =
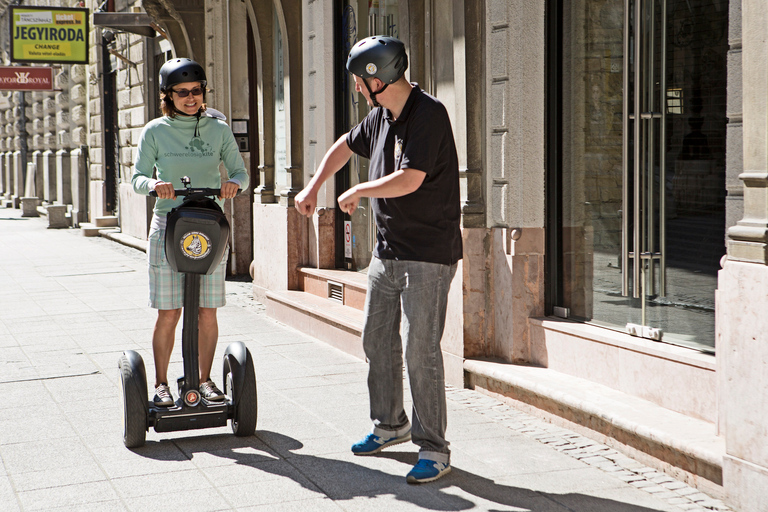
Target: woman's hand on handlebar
{"points": [[164, 190], [228, 190]]}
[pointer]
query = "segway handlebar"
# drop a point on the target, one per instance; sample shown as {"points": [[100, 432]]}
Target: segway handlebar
{"points": [[194, 191]]}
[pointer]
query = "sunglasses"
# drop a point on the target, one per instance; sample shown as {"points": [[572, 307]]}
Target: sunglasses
{"points": [[183, 93]]}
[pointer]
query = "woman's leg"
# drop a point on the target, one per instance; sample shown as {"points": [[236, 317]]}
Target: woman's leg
{"points": [[162, 342], [208, 335]]}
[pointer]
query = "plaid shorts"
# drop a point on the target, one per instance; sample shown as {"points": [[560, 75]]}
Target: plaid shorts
{"points": [[166, 287]]}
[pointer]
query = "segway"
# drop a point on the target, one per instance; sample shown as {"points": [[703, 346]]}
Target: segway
{"points": [[195, 241]]}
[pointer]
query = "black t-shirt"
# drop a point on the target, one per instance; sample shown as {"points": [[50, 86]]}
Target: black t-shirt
{"points": [[422, 225]]}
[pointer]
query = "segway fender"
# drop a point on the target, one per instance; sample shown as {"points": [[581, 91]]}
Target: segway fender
{"points": [[135, 406], [136, 363], [236, 356]]}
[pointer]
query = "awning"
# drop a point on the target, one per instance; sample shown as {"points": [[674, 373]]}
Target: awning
{"points": [[133, 22]]}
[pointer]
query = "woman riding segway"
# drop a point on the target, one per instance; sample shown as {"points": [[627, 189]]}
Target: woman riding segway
{"points": [[188, 140]]}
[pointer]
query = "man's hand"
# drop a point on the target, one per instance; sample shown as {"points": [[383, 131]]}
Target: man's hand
{"points": [[164, 190], [305, 202], [349, 200], [228, 190]]}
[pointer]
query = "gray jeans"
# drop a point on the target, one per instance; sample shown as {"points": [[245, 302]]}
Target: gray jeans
{"points": [[418, 292]]}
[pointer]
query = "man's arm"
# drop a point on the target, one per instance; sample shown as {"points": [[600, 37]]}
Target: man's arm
{"points": [[334, 159], [400, 183]]}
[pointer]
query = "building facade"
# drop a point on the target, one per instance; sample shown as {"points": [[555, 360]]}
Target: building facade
{"points": [[614, 163]]}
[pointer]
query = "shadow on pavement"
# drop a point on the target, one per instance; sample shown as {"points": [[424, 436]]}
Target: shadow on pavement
{"points": [[343, 480]]}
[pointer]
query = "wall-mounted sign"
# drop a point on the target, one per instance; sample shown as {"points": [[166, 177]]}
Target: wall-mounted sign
{"points": [[26, 78], [240, 131], [43, 34]]}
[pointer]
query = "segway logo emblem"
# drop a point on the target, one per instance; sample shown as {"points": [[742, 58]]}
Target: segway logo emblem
{"points": [[371, 68], [195, 245]]}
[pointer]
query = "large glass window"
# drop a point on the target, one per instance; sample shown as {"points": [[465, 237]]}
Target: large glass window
{"points": [[643, 165]]}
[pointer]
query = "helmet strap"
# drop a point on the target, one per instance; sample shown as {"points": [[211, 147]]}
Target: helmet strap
{"points": [[373, 94]]}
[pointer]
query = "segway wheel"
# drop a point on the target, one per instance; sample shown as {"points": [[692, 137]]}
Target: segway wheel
{"points": [[240, 386], [135, 413]]}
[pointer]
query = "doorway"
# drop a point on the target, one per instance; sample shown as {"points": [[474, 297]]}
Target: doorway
{"points": [[359, 19], [643, 166]]}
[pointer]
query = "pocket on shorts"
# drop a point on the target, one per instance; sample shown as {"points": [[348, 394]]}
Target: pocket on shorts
{"points": [[156, 248]]}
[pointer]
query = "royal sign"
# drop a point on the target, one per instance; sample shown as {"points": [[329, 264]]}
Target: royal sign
{"points": [[49, 35], [26, 78]]}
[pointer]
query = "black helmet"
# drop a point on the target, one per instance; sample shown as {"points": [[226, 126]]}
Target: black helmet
{"points": [[379, 57], [179, 71]]}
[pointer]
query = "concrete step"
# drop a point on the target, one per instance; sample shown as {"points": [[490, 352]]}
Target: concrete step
{"points": [[344, 286], [684, 447], [88, 229], [325, 319], [107, 221], [91, 229]]}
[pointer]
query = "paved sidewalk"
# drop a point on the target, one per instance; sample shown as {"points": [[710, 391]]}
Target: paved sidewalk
{"points": [[69, 306]]}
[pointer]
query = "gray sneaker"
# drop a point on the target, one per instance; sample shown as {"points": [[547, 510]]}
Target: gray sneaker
{"points": [[211, 392], [163, 396]]}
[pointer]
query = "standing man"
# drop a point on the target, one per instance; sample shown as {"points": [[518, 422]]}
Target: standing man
{"points": [[414, 191]]}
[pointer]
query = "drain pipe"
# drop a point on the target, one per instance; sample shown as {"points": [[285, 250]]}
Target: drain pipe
{"points": [[232, 243]]}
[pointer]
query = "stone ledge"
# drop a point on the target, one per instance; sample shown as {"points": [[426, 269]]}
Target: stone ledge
{"points": [[347, 277], [688, 448], [130, 241], [107, 221]]}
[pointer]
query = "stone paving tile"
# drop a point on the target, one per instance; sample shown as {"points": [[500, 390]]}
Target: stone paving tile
{"points": [[182, 500], [55, 476], [273, 491], [617, 499], [315, 505], [581, 480], [79, 495], [103, 506]]}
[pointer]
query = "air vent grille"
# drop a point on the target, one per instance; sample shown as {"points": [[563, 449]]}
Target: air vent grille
{"points": [[336, 292]]}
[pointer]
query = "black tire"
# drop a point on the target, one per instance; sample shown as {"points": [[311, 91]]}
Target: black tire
{"points": [[135, 411], [241, 387]]}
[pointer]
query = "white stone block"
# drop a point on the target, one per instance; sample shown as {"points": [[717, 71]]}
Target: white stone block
{"points": [[57, 216], [138, 117], [61, 80], [64, 138], [29, 207], [62, 119], [78, 73], [79, 137], [49, 105], [78, 116], [78, 94]]}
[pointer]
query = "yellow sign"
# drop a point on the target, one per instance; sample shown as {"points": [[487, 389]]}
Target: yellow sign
{"points": [[195, 245], [41, 34]]}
